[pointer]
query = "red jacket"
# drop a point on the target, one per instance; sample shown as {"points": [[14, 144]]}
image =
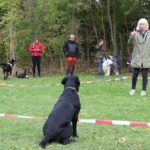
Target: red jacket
{"points": [[36, 49]]}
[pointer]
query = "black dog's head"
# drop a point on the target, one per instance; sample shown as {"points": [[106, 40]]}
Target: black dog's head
{"points": [[71, 81], [12, 61]]}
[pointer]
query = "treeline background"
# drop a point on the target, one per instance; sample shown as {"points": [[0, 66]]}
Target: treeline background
{"points": [[53, 20]]}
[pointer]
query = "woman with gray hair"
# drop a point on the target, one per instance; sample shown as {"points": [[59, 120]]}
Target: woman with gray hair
{"points": [[140, 38]]}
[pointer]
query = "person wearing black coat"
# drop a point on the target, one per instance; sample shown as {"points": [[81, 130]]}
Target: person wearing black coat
{"points": [[71, 51]]}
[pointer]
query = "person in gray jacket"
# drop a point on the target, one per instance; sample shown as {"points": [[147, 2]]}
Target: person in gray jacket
{"points": [[140, 38]]}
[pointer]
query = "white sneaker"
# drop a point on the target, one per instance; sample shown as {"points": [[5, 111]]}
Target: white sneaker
{"points": [[143, 93], [132, 92]]}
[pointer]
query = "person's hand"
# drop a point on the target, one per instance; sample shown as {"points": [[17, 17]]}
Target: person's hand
{"points": [[36, 50], [66, 54], [101, 43], [133, 33]]}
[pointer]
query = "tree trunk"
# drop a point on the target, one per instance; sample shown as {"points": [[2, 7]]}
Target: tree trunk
{"points": [[103, 27], [12, 41], [115, 48], [87, 48], [121, 50], [110, 22], [12, 45], [93, 21], [61, 64]]}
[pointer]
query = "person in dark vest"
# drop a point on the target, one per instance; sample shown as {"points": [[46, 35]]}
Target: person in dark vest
{"points": [[71, 51]]}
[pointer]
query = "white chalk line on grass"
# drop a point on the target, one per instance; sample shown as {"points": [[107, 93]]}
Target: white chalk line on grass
{"points": [[57, 84], [25, 85], [90, 121], [47, 85]]}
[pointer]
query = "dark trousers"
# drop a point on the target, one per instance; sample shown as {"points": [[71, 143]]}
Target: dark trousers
{"points": [[70, 67], [36, 62], [144, 77]]}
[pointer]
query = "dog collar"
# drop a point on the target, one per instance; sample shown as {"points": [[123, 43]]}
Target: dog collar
{"points": [[10, 64], [71, 88]]}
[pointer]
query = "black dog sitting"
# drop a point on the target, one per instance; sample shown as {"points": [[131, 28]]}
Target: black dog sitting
{"points": [[24, 74], [61, 123], [7, 68]]}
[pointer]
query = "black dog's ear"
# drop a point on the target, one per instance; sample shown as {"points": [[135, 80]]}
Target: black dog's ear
{"points": [[77, 81], [12, 61], [64, 81]]}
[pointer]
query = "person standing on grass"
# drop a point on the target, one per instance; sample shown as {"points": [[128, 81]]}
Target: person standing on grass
{"points": [[101, 47], [140, 38], [36, 49], [71, 51]]}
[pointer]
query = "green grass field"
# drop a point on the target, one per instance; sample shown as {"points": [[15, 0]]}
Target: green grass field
{"points": [[101, 100]]}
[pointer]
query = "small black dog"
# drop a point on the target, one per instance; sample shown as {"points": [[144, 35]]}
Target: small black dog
{"points": [[62, 122], [24, 74], [7, 68]]}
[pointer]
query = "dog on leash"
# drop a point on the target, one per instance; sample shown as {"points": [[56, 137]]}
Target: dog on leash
{"points": [[7, 68], [24, 74], [61, 124]]}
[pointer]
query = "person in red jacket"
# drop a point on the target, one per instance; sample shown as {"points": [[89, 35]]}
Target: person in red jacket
{"points": [[36, 49]]}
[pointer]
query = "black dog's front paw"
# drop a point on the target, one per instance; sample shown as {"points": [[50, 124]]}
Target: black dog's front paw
{"points": [[65, 141], [75, 136], [42, 145]]}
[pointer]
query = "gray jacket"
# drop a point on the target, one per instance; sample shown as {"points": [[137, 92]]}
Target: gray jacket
{"points": [[141, 50]]}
